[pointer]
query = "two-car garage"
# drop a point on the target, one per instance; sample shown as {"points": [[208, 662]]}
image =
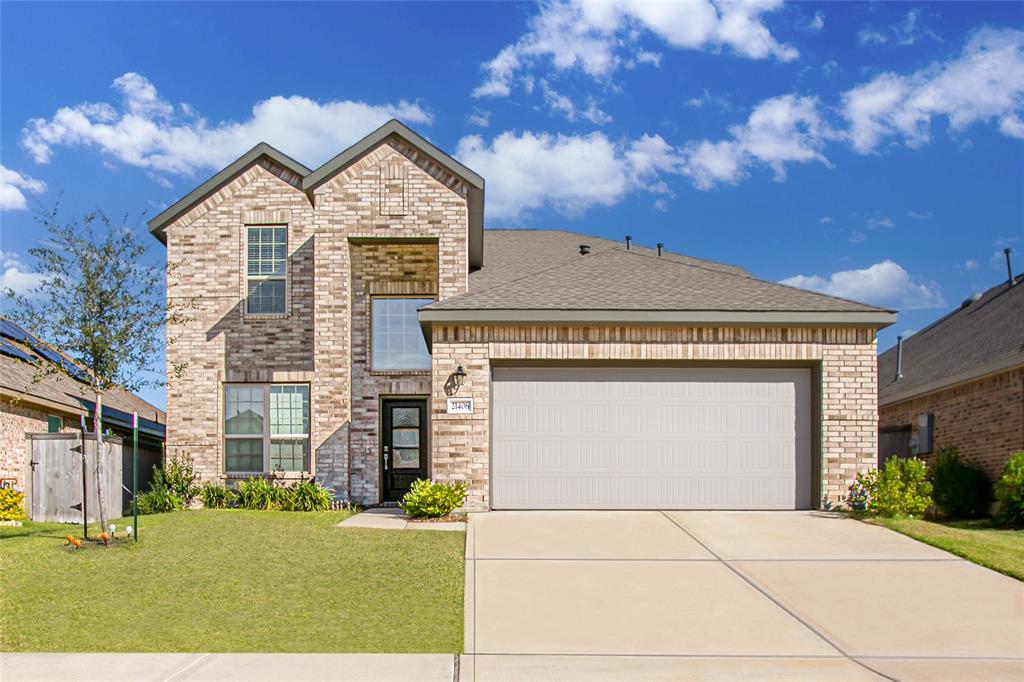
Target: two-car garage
{"points": [[597, 437]]}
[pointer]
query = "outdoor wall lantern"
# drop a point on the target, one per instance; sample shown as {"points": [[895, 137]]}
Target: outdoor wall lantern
{"points": [[454, 383], [460, 376]]}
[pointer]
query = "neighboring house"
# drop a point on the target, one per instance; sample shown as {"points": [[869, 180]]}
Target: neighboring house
{"points": [[356, 323], [960, 382], [33, 401]]}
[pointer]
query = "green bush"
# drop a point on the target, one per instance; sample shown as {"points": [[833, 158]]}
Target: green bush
{"points": [[960, 490], [217, 496], [902, 489], [181, 478], [433, 499], [258, 493], [305, 496], [12, 505], [159, 499], [1010, 491], [862, 490]]}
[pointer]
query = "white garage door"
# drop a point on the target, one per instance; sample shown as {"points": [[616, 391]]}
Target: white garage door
{"points": [[651, 438]]}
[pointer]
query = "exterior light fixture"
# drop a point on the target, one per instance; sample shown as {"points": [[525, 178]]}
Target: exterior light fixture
{"points": [[128, 531], [112, 528], [460, 376]]}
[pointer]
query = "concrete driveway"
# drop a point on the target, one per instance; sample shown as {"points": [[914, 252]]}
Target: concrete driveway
{"points": [[725, 596]]}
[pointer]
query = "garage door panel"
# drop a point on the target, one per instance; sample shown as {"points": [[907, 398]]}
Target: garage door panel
{"points": [[650, 438]]}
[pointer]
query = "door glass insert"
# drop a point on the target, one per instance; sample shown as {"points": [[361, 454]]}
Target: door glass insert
{"points": [[407, 458], [402, 438], [405, 416]]}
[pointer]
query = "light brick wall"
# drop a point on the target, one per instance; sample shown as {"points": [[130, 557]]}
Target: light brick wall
{"points": [[847, 360], [392, 193], [16, 420], [984, 418]]}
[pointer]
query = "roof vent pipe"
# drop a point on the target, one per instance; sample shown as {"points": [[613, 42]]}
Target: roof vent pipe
{"points": [[629, 238], [899, 358], [584, 249], [1009, 267], [660, 247]]}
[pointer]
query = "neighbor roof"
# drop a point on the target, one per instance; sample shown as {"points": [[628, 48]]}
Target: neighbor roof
{"points": [[615, 284], [311, 179], [983, 336], [59, 392]]}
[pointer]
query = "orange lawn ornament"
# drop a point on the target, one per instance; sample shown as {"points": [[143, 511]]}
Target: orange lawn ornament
{"points": [[104, 537]]}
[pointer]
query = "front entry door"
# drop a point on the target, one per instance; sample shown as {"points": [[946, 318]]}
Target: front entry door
{"points": [[403, 446]]}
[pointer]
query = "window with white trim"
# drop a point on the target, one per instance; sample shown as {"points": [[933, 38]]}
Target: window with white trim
{"points": [[266, 282], [266, 428], [397, 340]]}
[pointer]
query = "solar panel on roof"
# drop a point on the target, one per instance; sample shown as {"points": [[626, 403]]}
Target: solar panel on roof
{"points": [[8, 348], [9, 330]]}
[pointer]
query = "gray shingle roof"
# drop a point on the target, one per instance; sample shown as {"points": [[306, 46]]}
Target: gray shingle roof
{"points": [[972, 337], [612, 278]]}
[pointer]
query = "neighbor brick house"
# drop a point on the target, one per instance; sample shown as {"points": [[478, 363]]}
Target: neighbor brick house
{"points": [[960, 382], [356, 323]]}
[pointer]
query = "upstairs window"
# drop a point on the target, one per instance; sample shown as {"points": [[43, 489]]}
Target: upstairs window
{"points": [[267, 251], [398, 342], [266, 428]]}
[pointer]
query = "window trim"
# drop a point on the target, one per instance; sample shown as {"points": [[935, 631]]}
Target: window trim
{"points": [[247, 278], [267, 436], [369, 340]]}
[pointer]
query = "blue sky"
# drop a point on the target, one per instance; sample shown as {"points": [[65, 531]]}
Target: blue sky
{"points": [[871, 150]]}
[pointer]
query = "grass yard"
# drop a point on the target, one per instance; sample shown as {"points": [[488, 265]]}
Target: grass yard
{"points": [[977, 541], [233, 581]]}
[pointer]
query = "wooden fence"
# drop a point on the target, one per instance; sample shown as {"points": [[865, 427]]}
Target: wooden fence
{"points": [[55, 493]]}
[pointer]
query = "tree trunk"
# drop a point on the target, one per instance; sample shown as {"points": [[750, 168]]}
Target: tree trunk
{"points": [[97, 422]]}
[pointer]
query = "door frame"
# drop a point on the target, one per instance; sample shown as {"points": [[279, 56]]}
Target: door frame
{"points": [[382, 402]]}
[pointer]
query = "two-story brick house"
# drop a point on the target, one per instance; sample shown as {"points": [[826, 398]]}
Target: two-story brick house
{"points": [[357, 323]]}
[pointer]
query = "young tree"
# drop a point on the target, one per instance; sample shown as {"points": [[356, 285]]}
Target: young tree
{"points": [[99, 304]]}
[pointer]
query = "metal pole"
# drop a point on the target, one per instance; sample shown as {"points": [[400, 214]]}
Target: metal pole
{"points": [[85, 508], [135, 474]]}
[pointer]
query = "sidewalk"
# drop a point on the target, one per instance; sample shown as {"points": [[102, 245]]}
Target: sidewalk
{"points": [[223, 667]]}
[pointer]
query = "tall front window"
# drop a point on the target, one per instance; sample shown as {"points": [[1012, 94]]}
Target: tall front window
{"points": [[266, 428], [398, 341], [267, 250]]}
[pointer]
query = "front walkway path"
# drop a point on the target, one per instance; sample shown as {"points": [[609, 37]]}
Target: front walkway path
{"points": [[391, 518], [728, 595], [226, 667]]}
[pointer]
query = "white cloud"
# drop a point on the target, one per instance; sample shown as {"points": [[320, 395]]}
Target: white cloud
{"points": [[780, 130], [596, 37], [13, 186], [884, 284], [479, 117], [560, 104], [16, 276], [857, 237], [971, 265], [826, 220], [817, 22], [986, 82], [906, 32], [884, 222], [871, 37], [919, 215], [526, 171], [149, 132]]}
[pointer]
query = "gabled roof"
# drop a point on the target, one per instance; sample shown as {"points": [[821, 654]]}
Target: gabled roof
{"points": [[619, 285], [311, 179], [983, 336], [61, 393]]}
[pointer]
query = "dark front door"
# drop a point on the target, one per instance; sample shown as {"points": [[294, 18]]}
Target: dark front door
{"points": [[403, 445]]}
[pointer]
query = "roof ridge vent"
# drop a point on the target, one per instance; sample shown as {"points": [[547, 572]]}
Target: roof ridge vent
{"points": [[584, 249], [969, 300]]}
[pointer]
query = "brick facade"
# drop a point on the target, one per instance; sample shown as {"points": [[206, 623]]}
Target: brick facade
{"points": [[983, 418], [392, 204], [845, 357], [16, 420]]}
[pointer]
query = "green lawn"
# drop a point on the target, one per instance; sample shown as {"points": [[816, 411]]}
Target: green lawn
{"points": [[977, 541], [233, 581]]}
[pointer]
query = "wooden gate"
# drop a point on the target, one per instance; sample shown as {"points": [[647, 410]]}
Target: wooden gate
{"points": [[56, 489], [893, 441]]}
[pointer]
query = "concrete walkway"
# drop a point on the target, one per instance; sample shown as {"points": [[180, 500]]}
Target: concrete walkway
{"points": [[391, 518], [226, 667], [728, 595]]}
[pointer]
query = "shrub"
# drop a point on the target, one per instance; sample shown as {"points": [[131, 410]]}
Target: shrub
{"points": [[902, 489], [960, 490], [159, 499], [181, 478], [258, 493], [862, 490], [217, 496], [306, 496], [12, 504], [433, 499], [1010, 491]]}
